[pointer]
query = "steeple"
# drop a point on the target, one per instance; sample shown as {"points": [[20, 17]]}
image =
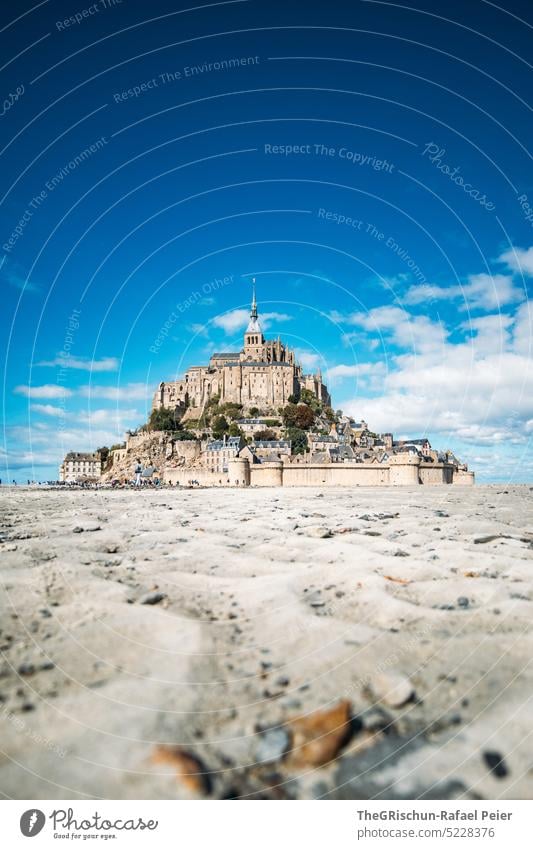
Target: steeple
{"points": [[253, 313], [253, 324]]}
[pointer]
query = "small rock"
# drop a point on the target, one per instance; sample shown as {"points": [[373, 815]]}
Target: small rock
{"points": [[496, 764], [318, 532], [26, 669], [152, 598], [282, 681], [392, 689], [190, 771], [77, 530], [273, 745], [462, 601], [318, 737], [376, 719]]}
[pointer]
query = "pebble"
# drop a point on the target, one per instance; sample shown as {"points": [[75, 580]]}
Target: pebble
{"points": [[152, 598], [318, 532], [496, 763], [272, 746], [462, 601], [26, 669], [190, 771], [392, 688], [318, 737]]}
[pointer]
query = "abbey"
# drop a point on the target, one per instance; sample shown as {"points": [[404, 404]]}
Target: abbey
{"points": [[263, 374]]}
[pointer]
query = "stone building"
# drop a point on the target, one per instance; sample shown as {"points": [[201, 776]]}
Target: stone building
{"points": [[219, 451], [263, 374], [80, 466]]}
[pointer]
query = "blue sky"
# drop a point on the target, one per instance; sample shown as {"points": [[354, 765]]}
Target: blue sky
{"points": [[367, 162]]}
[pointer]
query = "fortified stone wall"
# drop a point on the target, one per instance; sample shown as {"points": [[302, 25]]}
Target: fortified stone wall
{"points": [[404, 471], [435, 474], [464, 478], [336, 474]]}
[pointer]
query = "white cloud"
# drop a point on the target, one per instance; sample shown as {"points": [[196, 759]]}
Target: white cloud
{"points": [[519, 259], [354, 370], [235, 320], [84, 364], [479, 292], [479, 391], [490, 333], [48, 390], [354, 337], [48, 409], [111, 417], [14, 276], [123, 392], [405, 330], [232, 321], [308, 359], [523, 330]]}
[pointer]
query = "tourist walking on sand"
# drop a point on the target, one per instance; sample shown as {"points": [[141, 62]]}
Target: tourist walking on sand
{"points": [[138, 472]]}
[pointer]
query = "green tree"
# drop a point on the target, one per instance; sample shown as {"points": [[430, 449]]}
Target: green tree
{"points": [[104, 454], [183, 434], [264, 434], [289, 415], [164, 419], [307, 397], [234, 429], [298, 439], [231, 410], [254, 412], [220, 426]]}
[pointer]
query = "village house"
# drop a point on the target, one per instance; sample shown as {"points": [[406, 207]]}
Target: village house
{"points": [[79, 466]]}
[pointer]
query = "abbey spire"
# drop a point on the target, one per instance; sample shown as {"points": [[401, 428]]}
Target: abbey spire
{"points": [[253, 325]]}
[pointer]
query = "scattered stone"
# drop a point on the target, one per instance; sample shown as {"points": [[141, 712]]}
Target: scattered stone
{"points": [[152, 598], [490, 538], [496, 763], [190, 771], [282, 681], [26, 669], [396, 580], [273, 745], [400, 553], [462, 601], [318, 737], [318, 532], [77, 530], [392, 688], [376, 719]]}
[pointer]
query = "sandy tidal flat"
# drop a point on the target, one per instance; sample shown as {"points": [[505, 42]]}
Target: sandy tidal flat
{"points": [[267, 643]]}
